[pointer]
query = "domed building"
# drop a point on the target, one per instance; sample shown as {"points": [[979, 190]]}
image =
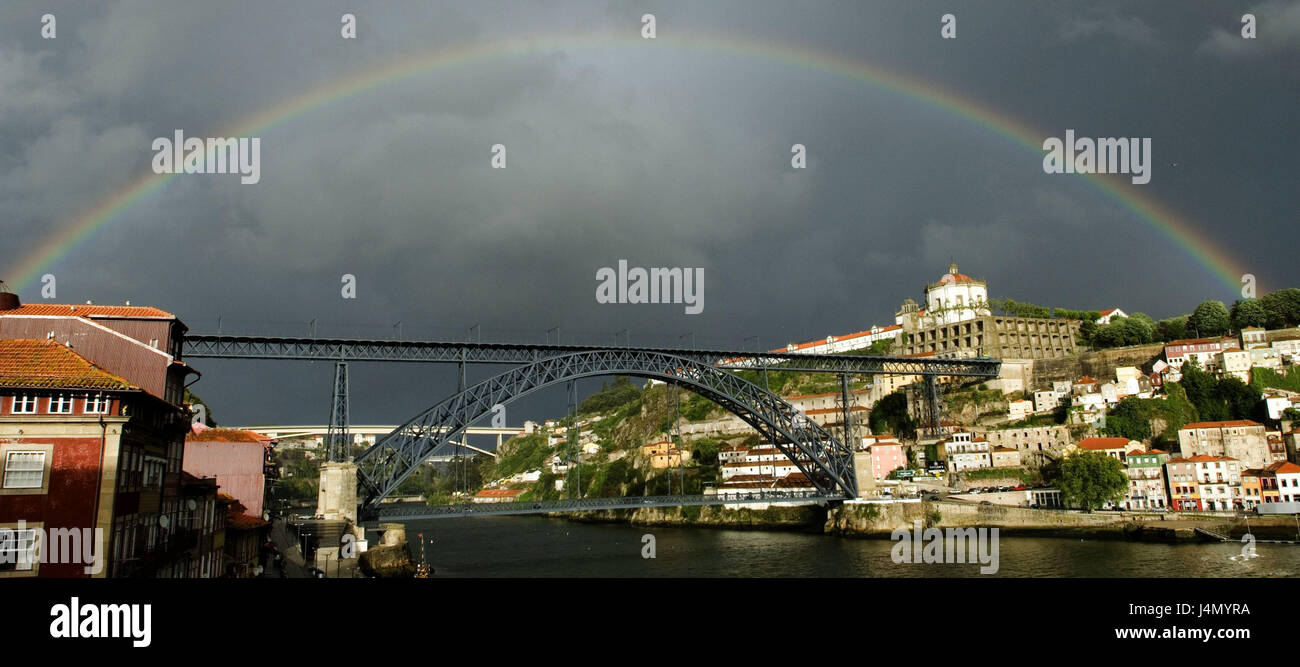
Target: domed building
{"points": [[956, 321], [956, 297]]}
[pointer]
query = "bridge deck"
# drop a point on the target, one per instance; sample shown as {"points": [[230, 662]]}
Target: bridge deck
{"points": [[224, 346], [590, 504]]}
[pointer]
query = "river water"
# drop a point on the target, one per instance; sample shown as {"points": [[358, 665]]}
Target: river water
{"points": [[548, 547]]}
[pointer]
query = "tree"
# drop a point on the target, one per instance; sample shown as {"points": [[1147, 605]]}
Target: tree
{"points": [[1202, 392], [1174, 328], [1089, 480], [1142, 327], [889, 415], [1241, 400], [1247, 313], [1110, 335], [1282, 307], [1209, 319], [1128, 420], [1088, 331]]}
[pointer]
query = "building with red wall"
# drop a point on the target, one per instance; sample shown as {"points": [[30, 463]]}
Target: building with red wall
{"points": [[92, 424]]}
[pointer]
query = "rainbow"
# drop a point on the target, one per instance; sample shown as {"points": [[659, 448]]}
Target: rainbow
{"points": [[1180, 231]]}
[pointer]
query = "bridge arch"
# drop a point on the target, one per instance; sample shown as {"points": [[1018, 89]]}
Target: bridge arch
{"points": [[826, 461]]}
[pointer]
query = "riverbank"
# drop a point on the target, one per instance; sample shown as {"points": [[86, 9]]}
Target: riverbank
{"points": [[878, 520], [802, 518]]}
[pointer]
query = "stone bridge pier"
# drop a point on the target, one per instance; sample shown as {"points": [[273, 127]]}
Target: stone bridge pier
{"points": [[337, 498]]}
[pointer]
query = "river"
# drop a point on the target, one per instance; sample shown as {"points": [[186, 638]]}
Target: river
{"points": [[548, 547]]}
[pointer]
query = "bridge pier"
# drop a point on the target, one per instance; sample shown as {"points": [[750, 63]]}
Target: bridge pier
{"points": [[337, 498]]}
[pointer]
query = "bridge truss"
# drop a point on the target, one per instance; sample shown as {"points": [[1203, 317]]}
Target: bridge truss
{"points": [[827, 461]]}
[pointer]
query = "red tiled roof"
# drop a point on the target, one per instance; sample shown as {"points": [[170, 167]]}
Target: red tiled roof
{"points": [[1285, 467], [225, 435], [30, 362], [1238, 422], [1202, 458], [241, 521], [1103, 443], [1193, 341], [89, 310], [956, 278]]}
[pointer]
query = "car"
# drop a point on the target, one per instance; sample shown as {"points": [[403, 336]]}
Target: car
{"points": [[986, 502]]}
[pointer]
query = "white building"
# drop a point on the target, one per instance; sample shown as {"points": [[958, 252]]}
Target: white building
{"points": [[1110, 314], [1017, 410], [1218, 480], [956, 297], [1046, 400], [1278, 403], [964, 450]]}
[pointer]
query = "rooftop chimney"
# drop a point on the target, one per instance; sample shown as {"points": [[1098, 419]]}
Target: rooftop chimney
{"points": [[8, 300]]}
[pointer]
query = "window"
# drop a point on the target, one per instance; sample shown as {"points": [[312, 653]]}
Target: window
{"points": [[24, 470], [154, 467], [96, 404], [61, 404], [24, 404], [17, 549]]}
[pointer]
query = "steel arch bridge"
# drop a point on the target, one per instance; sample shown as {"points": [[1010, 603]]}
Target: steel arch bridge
{"points": [[824, 459]]}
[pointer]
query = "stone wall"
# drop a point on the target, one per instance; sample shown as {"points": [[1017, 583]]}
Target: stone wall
{"points": [[879, 520], [1100, 365]]}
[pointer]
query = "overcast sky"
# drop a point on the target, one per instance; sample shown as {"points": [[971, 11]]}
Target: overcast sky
{"points": [[631, 149]]}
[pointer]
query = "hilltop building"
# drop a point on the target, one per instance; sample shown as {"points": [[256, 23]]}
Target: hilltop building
{"points": [[957, 323]]}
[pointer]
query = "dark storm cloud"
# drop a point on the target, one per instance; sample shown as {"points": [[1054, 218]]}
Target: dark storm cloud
{"points": [[660, 156]]}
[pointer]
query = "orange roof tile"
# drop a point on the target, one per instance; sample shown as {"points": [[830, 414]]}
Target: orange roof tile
{"points": [[1203, 458], [241, 521], [1103, 443], [33, 362], [1192, 341], [1285, 467], [225, 435], [1238, 422], [89, 310]]}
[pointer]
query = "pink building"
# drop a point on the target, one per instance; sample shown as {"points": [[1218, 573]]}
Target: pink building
{"points": [[236, 458], [885, 458]]}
